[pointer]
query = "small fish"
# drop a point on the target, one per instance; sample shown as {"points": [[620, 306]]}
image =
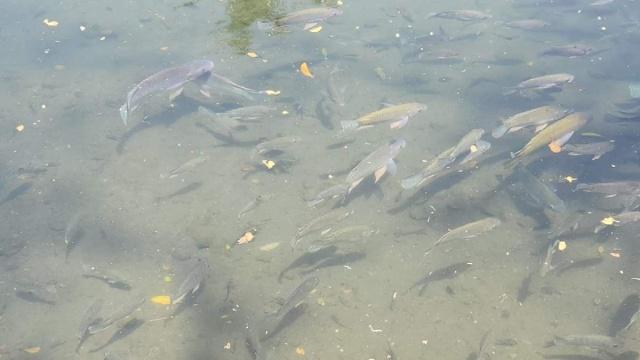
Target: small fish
{"points": [[557, 133], [187, 166], [350, 234], [481, 147], [112, 280], [192, 282], [251, 205], [625, 315], [37, 293], [338, 191], [445, 273], [570, 51], [18, 191], [308, 259], [527, 24], [172, 79], [337, 89], [539, 193], [611, 189], [469, 231], [547, 261], [589, 341], [321, 223], [597, 149], [542, 83], [465, 143], [576, 264], [114, 317], [397, 115], [377, 163], [221, 124], [338, 260], [539, 117], [275, 144], [309, 17], [247, 113], [462, 15], [298, 295], [182, 191], [125, 330], [89, 318], [73, 233], [523, 290], [435, 167]]}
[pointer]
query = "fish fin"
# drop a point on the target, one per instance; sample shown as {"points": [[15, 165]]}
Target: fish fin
{"points": [[540, 127], [596, 157], [176, 93], [124, 113], [238, 86], [571, 153], [564, 138], [499, 131], [308, 26], [204, 90], [514, 129], [412, 181], [349, 125], [353, 185], [400, 123], [379, 173], [392, 168]]}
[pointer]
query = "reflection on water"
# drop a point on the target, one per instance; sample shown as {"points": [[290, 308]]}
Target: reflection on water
{"points": [[411, 180]]}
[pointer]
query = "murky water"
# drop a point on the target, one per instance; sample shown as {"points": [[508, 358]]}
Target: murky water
{"points": [[209, 208]]}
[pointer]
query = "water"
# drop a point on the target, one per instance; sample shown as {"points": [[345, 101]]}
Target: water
{"points": [[62, 87]]}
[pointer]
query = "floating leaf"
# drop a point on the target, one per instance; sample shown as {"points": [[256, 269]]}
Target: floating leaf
{"points": [[252, 54], [315, 29], [608, 221], [562, 245], [32, 350], [300, 350], [50, 23], [569, 179], [304, 70], [269, 246], [161, 300], [272, 92], [473, 148], [247, 237], [167, 279], [269, 164], [555, 148], [19, 128]]}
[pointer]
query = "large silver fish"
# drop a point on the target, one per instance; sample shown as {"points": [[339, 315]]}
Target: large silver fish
{"points": [[172, 79], [377, 163]]}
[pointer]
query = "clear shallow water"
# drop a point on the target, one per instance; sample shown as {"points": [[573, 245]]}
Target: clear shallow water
{"points": [[65, 86]]}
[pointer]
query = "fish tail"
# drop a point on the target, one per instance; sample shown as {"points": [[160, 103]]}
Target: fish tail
{"points": [[509, 91], [349, 125], [499, 131]]}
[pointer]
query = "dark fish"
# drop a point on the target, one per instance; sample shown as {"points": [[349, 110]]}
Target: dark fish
{"points": [[461, 15], [13, 194], [447, 272], [573, 50], [308, 259], [182, 191], [37, 293], [523, 290], [124, 331], [576, 264], [625, 315], [112, 280], [192, 282], [310, 17], [116, 316], [272, 322], [538, 193], [337, 260], [73, 233], [592, 341]]}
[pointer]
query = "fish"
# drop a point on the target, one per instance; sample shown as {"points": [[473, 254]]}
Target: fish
{"points": [[593, 341], [222, 124], [125, 330], [539, 117], [465, 143], [625, 315], [187, 166], [481, 147], [171, 79], [539, 193], [527, 24], [338, 191], [192, 282], [321, 223], [469, 231], [570, 51], [89, 318], [337, 87], [462, 15], [275, 144], [377, 163], [308, 259], [114, 317], [338, 260], [112, 280], [445, 273], [182, 191], [310, 17], [37, 293], [299, 294], [557, 133], [435, 166], [397, 115], [73, 233], [541, 83], [611, 189], [247, 113], [523, 290], [597, 149], [351, 233], [15, 193], [576, 264], [547, 261]]}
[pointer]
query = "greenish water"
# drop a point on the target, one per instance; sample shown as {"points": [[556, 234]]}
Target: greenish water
{"points": [[148, 200]]}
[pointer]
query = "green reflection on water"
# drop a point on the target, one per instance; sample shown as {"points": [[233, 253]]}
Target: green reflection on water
{"points": [[242, 13]]}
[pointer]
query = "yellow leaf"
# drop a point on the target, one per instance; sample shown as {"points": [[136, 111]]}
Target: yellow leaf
{"points": [[32, 350], [562, 245], [50, 23], [315, 29], [246, 238], [473, 148], [608, 220], [167, 279], [269, 164], [19, 128], [555, 148], [569, 179], [252, 54], [161, 300], [304, 70], [300, 350], [272, 92]]}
